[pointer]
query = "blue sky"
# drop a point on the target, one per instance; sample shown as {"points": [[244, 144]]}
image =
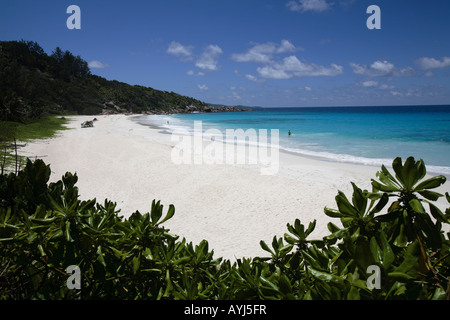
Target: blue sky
{"points": [[272, 53]]}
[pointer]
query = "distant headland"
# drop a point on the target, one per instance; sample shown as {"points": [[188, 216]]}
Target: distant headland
{"points": [[35, 84]]}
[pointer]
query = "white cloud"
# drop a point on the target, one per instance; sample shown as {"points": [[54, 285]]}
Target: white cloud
{"points": [[286, 46], [263, 53], [208, 59], [308, 5], [432, 63], [251, 77], [380, 69], [258, 53], [273, 73], [369, 84], [405, 72], [192, 73], [292, 67], [202, 87], [386, 87], [97, 64], [413, 93], [179, 50], [287, 68], [376, 84], [358, 69]]}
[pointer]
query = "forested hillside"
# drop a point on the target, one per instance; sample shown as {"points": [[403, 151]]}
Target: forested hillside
{"points": [[33, 83]]}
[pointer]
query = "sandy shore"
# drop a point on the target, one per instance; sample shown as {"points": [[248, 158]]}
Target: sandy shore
{"points": [[231, 206]]}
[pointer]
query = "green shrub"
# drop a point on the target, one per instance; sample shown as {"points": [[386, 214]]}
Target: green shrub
{"points": [[45, 228]]}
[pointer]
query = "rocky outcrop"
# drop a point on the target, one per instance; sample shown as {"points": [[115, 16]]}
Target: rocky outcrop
{"points": [[111, 108], [194, 109]]}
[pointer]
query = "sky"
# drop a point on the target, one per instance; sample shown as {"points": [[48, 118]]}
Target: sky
{"points": [[269, 53]]}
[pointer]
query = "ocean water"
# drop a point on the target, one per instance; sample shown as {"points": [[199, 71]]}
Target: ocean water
{"points": [[362, 135]]}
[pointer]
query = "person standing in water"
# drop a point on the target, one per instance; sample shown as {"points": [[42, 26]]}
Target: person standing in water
{"points": [[289, 133]]}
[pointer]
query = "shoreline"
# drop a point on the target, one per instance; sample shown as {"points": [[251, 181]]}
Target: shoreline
{"points": [[334, 158], [232, 206]]}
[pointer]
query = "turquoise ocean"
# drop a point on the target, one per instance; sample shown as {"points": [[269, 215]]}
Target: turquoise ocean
{"points": [[361, 135]]}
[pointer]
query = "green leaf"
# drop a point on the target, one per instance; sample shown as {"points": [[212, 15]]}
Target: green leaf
{"points": [[388, 254], [275, 244], [431, 183], [169, 215], [290, 239], [332, 227], [100, 257], [437, 213], [268, 284], [401, 240], [286, 249], [430, 195], [388, 177], [398, 166], [136, 263], [380, 204], [311, 227], [353, 294], [284, 284], [156, 212], [410, 264], [333, 213], [67, 232], [416, 206], [324, 276], [118, 254], [400, 276], [344, 206], [439, 294], [388, 187], [383, 255], [420, 171], [299, 228], [375, 250], [409, 173], [313, 262], [359, 200], [169, 285]]}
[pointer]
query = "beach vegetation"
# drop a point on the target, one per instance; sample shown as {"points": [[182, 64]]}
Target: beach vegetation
{"points": [[14, 135], [393, 233]]}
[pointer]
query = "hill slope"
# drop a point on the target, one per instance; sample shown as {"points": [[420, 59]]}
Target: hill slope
{"points": [[33, 83]]}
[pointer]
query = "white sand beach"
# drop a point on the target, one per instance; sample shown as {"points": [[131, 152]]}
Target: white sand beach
{"points": [[231, 206]]}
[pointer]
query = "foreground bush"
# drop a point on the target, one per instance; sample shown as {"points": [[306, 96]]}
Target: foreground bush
{"points": [[396, 253]]}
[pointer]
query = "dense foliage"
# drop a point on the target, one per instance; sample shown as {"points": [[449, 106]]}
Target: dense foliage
{"points": [[33, 83], [45, 228]]}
